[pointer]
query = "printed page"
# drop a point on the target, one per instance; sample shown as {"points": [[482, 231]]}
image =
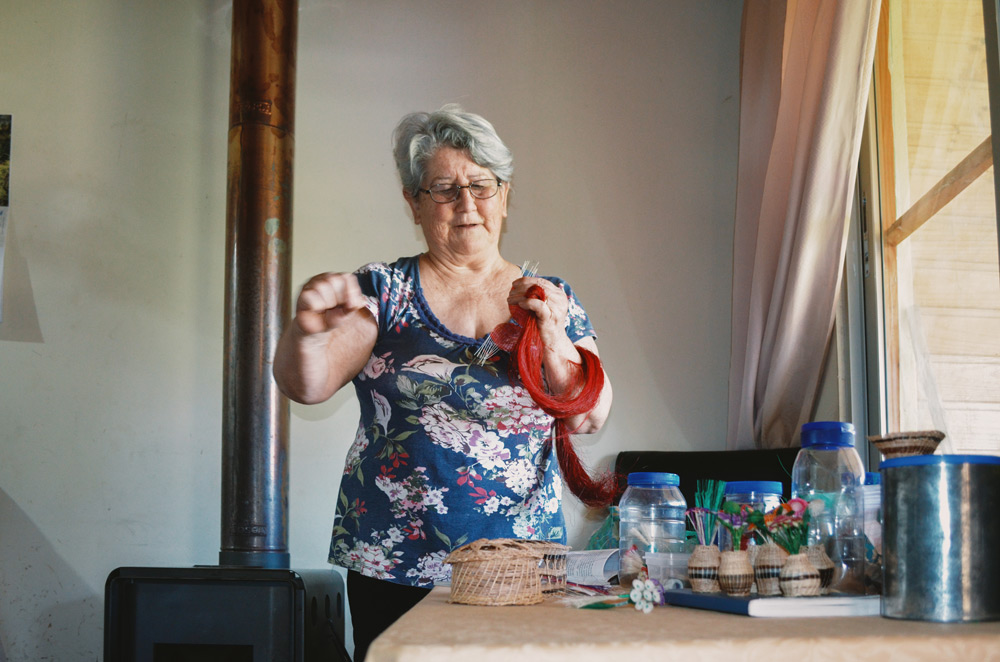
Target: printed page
{"points": [[592, 567]]}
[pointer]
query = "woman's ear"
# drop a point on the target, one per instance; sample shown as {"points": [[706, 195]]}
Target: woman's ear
{"points": [[414, 206], [505, 192]]}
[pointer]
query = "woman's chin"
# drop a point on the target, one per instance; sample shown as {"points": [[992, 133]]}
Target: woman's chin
{"points": [[472, 237]]}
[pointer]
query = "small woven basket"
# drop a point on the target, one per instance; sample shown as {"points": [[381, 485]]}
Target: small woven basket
{"points": [[905, 444], [506, 571]]}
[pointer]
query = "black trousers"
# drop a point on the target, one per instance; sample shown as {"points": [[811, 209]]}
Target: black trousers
{"points": [[375, 605]]}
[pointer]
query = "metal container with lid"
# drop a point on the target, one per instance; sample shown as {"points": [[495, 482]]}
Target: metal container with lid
{"points": [[941, 537]]}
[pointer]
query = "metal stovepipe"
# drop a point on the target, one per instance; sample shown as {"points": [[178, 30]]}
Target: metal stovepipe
{"points": [[258, 258]]}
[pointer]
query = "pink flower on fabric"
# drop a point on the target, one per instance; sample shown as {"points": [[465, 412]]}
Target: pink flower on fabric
{"points": [[377, 365], [487, 448], [514, 412], [433, 366], [446, 429]]}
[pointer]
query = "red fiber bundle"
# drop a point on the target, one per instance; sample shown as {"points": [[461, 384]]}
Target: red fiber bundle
{"points": [[522, 339]]}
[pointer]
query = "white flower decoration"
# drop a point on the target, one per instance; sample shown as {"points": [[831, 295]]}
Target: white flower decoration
{"points": [[644, 594]]}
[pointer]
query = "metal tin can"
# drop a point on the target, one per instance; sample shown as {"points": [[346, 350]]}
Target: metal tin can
{"points": [[941, 537]]}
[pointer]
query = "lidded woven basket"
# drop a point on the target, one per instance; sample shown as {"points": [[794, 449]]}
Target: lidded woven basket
{"points": [[506, 571]]}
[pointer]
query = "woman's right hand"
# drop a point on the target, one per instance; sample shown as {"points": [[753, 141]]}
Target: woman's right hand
{"points": [[326, 300], [329, 340]]}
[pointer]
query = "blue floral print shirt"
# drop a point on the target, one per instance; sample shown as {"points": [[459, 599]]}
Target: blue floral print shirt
{"points": [[448, 450]]}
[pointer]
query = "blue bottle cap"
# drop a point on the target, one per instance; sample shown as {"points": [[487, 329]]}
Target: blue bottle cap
{"points": [[829, 434], [755, 486], [653, 478], [873, 478]]}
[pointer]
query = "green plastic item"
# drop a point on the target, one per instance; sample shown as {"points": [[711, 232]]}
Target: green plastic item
{"points": [[606, 535]]}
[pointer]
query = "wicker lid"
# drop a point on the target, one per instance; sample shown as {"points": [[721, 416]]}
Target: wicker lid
{"points": [[905, 444], [485, 549]]}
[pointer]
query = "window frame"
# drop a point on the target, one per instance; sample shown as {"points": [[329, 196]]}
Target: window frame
{"points": [[877, 211]]}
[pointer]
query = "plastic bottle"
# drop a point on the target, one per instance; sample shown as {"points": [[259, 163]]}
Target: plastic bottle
{"points": [[828, 473], [872, 491], [651, 516], [762, 495]]}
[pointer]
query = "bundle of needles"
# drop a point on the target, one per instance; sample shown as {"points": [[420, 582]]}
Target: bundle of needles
{"points": [[505, 336]]}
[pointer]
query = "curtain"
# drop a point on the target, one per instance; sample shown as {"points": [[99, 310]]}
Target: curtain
{"points": [[804, 78]]}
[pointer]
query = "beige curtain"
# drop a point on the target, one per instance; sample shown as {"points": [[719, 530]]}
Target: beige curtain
{"points": [[805, 71]]}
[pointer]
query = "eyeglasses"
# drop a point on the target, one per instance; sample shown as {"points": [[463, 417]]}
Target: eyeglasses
{"points": [[481, 189]]}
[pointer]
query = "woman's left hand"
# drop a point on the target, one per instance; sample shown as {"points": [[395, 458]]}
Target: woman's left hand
{"points": [[550, 313], [560, 356]]}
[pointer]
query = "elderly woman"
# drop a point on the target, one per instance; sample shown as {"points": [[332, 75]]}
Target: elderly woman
{"points": [[450, 447]]}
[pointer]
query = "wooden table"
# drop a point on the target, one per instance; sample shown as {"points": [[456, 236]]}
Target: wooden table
{"points": [[438, 631]]}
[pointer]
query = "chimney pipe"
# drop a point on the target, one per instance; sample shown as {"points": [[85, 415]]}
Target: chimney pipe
{"points": [[258, 258]]}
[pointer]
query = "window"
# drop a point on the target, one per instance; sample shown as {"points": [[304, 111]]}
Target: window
{"points": [[929, 226]]}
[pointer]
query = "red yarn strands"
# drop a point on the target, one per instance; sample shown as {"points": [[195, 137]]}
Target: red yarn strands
{"points": [[583, 396]]}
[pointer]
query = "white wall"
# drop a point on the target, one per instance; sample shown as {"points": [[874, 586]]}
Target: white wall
{"points": [[622, 117]]}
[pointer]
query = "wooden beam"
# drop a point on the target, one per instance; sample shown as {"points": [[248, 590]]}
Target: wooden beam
{"points": [[991, 10], [961, 176], [885, 141]]}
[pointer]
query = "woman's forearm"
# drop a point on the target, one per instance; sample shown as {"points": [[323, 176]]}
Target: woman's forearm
{"points": [[311, 368], [301, 365], [562, 365]]}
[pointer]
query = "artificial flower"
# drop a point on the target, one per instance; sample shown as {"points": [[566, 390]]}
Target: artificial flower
{"points": [[788, 525], [646, 594], [737, 518]]}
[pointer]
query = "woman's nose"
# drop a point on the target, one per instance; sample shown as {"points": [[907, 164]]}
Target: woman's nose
{"points": [[465, 201]]}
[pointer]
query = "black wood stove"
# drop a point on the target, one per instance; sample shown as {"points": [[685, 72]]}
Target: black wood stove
{"points": [[223, 614]]}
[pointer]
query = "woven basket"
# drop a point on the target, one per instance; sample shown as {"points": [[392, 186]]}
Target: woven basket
{"points": [[506, 571], [904, 444]]}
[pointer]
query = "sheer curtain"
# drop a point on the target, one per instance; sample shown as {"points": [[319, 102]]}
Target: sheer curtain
{"points": [[805, 71]]}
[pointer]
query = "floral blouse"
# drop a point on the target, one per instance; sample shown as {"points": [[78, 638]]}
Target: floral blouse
{"points": [[448, 450]]}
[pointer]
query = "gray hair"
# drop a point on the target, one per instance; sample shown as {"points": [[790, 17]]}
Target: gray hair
{"points": [[419, 135]]}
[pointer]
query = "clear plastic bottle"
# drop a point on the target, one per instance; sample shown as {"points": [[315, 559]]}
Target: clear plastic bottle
{"points": [[828, 470], [872, 491], [762, 495], [651, 519]]}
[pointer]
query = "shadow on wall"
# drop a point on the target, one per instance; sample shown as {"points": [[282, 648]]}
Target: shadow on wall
{"points": [[47, 612]]}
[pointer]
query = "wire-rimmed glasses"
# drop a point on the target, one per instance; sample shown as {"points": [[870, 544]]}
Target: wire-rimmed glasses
{"points": [[481, 189]]}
